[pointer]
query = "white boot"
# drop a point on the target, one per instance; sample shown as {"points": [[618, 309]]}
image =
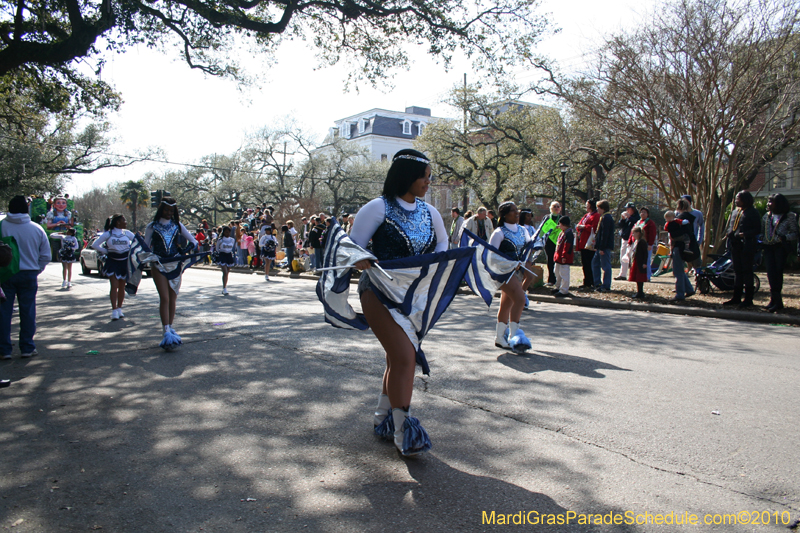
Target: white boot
{"points": [[382, 410], [499, 339], [512, 329], [405, 425]]}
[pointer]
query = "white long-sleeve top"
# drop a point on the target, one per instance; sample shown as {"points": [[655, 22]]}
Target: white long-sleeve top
{"points": [[148, 234], [225, 245], [267, 237], [498, 236], [117, 240], [372, 215]]}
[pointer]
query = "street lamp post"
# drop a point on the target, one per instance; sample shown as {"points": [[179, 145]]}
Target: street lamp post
{"points": [[564, 169]]}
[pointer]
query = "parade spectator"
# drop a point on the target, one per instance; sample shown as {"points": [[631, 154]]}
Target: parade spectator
{"points": [[604, 245], [34, 254], [455, 227], [251, 246], [640, 265], [315, 240], [650, 234], [626, 223], [587, 228], [743, 228], [779, 228], [288, 246], [293, 231], [549, 230], [491, 215], [563, 257], [680, 232], [350, 220], [480, 224], [698, 226], [305, 227]]}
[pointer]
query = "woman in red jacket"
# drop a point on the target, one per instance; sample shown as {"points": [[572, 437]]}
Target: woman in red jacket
{"points": [[586, 228], [650, 235]]}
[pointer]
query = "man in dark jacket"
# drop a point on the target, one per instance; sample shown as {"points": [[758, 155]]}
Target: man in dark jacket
{"points": [[604, 244], [743, 229], [315, 239], [626, 222]]}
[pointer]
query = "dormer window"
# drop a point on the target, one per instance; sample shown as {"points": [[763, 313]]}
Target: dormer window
{"points": [[344, 130], [362, 125], [406, 127], [421, 128]]}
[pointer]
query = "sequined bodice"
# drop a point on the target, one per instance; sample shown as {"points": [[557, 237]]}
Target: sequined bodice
{"points": [[513, 243], [165, 242], [404, 233]]}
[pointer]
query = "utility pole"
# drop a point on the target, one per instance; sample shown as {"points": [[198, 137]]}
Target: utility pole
{"points": [[465, 200]]}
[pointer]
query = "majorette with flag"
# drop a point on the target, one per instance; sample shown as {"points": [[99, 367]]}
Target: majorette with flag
{"points": [[495, 266], [168, 262], [402, 294]]}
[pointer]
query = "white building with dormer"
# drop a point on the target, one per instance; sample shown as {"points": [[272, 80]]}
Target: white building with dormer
{"points": [[382, 132]]}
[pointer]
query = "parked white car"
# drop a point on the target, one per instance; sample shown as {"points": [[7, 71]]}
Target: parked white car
{"points": [[91, 259]]}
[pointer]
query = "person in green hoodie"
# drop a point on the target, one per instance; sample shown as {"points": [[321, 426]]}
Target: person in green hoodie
{"points": [[550, 231]]}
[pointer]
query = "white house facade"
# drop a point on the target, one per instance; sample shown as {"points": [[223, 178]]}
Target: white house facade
{"points": [[382, 132]]}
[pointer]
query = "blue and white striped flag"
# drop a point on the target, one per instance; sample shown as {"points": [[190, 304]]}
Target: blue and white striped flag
{"points": [[140, 255], [419, 292], [489, 268], [333, 286]]}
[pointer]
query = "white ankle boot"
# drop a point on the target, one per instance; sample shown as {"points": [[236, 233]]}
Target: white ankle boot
{"points": [[499, 339]]}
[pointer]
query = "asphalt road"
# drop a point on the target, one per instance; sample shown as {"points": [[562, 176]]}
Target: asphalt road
{"points": [[262, 420]]}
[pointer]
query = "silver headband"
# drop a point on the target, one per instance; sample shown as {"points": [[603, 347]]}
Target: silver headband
{"points": [[411, 157], [171, 204]]}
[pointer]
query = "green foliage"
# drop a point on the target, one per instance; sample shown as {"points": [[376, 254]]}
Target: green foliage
{"points": [[373, 37], [499, 155]]}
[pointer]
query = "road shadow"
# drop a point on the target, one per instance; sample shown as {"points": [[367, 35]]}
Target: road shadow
{"points": [[540, 361]]}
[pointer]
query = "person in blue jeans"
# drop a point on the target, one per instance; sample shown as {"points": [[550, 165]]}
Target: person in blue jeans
{"points": [[680, 239], [34, 254], [604, 244]]}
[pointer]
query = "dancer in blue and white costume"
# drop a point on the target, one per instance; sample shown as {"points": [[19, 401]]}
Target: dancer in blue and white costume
{"points": [[268, 245], [68, 254], [510, 238], [161, 236], [118, 243], [224, 253], [399, 225]]}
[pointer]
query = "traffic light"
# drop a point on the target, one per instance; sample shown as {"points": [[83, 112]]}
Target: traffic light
{"points": [[155, 198]]}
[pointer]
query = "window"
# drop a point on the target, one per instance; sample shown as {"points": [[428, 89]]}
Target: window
{"points": [[406, 127], [421, 128], [344, 130], [384, 157], [362, 125]]}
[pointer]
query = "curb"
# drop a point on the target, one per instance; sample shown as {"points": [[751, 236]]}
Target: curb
{"points": [[745, 316]]}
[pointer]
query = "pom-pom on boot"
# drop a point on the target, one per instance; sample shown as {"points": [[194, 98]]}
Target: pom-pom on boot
{"points": [[517, 340], [410, 438], [171, 339]]}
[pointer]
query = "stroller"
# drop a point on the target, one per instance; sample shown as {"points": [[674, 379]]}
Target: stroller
{"points": [[720, 274]]}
